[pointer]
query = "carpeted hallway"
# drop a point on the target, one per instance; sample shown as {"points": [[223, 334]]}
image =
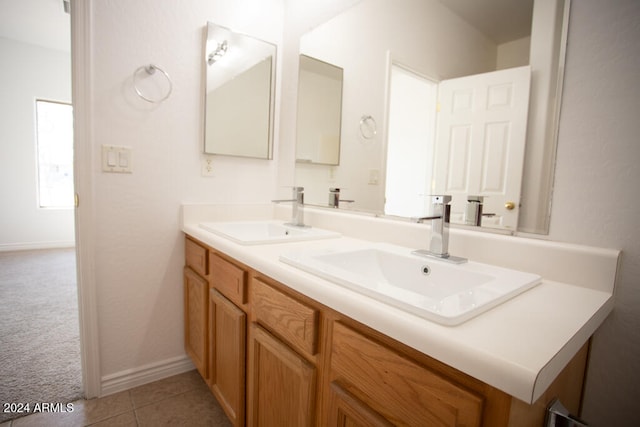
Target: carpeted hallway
{"points": [[39, 332]]}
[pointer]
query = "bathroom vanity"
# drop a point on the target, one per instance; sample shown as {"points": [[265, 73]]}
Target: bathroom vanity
{"points": [[280, 346]]}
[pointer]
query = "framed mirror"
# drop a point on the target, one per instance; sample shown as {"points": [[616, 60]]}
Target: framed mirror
{"points": [[439, 41], [239, 98], [319, 112]]}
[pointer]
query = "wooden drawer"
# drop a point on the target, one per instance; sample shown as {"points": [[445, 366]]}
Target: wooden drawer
{"points": [[396, 387], [292, 320], [229, 279], [196, 257]]}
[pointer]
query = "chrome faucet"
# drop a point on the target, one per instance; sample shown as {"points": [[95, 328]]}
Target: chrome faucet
{"points": [[334, 198], [297, 213], [439, 238]]}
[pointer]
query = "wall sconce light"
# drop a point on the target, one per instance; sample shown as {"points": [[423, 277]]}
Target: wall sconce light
{"points": [[219, 52]]}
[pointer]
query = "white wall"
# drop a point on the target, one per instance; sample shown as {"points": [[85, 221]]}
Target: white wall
{"points": [[28, 72], [596, 188], [513, 54], [139, 249]]}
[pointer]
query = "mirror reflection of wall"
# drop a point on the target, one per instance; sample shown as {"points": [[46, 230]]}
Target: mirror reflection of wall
{"points": [[319, 112], [239, 94], [427, 37]]}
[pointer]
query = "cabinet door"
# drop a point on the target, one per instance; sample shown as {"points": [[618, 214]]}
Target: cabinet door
{"points": [[345, 410], [195, 319], [227, 333], [281, 383]]}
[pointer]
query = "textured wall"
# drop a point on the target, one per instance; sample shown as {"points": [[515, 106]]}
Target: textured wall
{"points": [[596, 199], [139, 249]]}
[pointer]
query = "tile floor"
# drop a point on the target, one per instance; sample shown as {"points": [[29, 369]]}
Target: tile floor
{"points": [[181, 400]]}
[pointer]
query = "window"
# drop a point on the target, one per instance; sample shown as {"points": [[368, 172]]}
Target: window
{"points": [[54, 127]]}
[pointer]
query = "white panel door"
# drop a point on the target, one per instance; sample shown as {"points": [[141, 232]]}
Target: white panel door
{"points": [[481, 131]]}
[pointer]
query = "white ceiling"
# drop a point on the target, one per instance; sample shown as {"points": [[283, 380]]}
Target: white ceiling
{"points": [[39, 22]]}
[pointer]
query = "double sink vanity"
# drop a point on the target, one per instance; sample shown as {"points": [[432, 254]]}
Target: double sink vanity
{"points": [[340, 323]]}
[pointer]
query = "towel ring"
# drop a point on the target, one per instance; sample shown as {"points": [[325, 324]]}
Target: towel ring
{"points": [[151, 69], [368, 127]]}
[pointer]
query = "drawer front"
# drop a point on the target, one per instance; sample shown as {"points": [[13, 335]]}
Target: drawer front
{"points": [[229, 279], [397, 388], [292, 320], [196, 257]]}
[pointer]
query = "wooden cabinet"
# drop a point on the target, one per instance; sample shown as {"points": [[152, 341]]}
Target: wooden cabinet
{"points": [[275, 357], [281, 383]]}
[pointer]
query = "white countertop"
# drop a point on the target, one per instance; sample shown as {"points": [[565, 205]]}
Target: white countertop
{"points": [[518, 347]]}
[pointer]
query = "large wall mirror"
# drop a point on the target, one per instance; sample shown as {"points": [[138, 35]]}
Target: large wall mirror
{"points": [[406, 65], [239, 100]]}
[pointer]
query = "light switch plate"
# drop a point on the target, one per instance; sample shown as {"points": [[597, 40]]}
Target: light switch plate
{"points": [[116, 159], [374, 176]]}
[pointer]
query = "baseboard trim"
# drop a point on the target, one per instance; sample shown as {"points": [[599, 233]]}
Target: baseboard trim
{"points": [[10, 247], [130, 378]]}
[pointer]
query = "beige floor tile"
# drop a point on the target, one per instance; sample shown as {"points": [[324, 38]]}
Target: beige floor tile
{"points": [[84, 412], [44, 419], [181, 400], [128, 419], [193, 408], [95, 410], [162, 389]]}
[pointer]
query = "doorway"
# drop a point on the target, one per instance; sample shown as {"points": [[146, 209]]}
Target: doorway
{"points": [[37, 234], [410, 142]]}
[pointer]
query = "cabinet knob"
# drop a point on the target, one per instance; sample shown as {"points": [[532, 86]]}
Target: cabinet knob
{"points": [[509, 206]]}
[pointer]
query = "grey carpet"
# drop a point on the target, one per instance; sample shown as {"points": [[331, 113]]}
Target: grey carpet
{"points": [[39, 330]]}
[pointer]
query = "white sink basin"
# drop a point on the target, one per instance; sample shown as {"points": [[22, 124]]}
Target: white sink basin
{"points": [[445, 293], [261, 232]]}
